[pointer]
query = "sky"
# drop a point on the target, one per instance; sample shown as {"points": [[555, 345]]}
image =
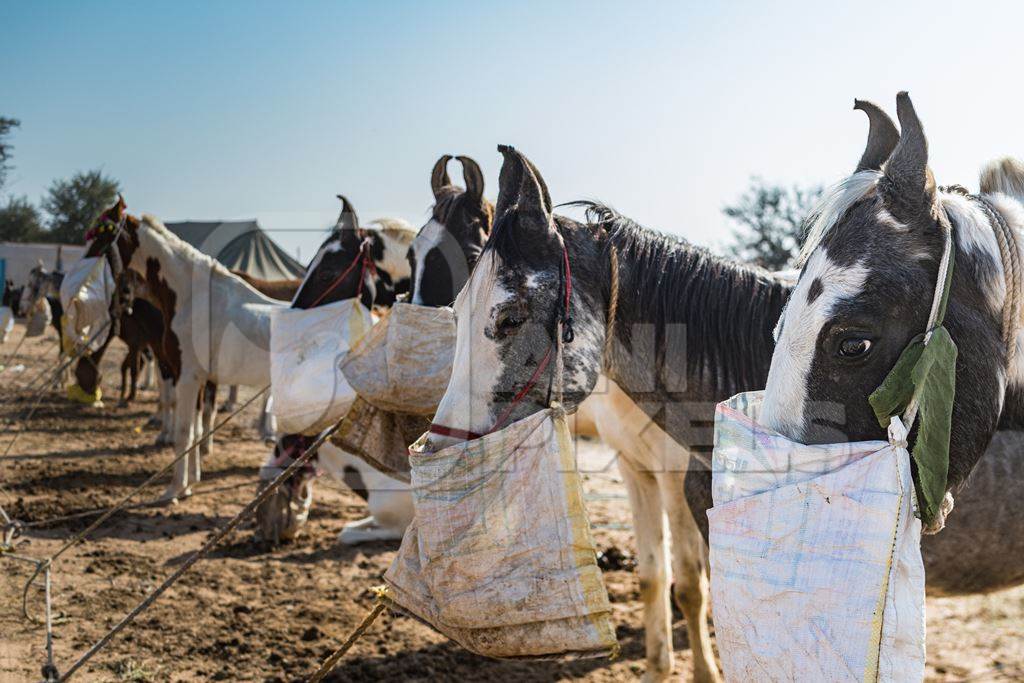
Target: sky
{"points": [[221, 110]]}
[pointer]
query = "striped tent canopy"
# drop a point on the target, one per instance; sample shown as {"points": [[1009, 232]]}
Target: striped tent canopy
{"points": [[241, 246]]}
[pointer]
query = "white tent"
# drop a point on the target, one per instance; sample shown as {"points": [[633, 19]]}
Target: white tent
{"points": [[22, 257]]}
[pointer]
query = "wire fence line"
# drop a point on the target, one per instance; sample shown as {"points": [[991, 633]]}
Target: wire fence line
{"points": [[210, 544]]}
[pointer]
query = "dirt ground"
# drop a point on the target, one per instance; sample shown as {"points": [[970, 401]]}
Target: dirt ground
{"points": [[252, 613]]}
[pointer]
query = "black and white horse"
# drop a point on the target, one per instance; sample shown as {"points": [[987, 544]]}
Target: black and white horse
{"points": [[689, 330], [333, 275], [871, 266]]}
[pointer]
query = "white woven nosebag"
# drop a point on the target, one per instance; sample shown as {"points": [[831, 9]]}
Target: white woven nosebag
{"points": [[405, 361], [85, 294], [816, 571], [39, 318], [307, 346], [500, 557]]}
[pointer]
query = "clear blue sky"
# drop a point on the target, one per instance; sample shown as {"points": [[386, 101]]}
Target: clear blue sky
{"points": [[258, 109]]}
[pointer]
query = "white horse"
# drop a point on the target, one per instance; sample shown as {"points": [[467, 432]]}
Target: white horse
{"points": [[217, 329]]}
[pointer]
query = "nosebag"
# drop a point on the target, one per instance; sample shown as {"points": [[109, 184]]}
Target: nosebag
{"points": [[500, 557], [40, 318], [405, 362], [307, 346], [816, 571], [85, 294]]}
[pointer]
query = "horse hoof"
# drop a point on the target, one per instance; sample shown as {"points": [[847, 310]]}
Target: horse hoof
{"points": [[122, 404], [174, 495]]}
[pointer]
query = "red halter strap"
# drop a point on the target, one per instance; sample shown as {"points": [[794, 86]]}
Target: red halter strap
{"points": [[567, 337], [362, 259]]}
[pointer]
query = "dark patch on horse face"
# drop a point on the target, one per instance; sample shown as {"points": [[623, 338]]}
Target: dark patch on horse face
{"points": [[466, 221], [166, 300], [378, 291], [524, 326], [815, 290], [891, 309]]}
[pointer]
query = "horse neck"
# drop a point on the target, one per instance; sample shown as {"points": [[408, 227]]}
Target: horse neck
{"points": [[182, 265], [691, 327]]}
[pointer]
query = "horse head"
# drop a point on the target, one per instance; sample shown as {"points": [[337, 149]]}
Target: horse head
{"points": [[871, 269], [353, 261], [449, 244]]}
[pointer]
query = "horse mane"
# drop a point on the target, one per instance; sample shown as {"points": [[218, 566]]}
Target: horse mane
{"points": [[183, 248], [728, 310], [835, 202], [395, 228]]}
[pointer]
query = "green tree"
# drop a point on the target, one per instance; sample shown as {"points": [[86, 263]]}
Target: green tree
{"points": [[74, 204], [6, 125], [770, 222], [20, 221]]}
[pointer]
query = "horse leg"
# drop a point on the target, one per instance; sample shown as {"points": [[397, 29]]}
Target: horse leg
{"points": [[129, 364], [140, 359], [186, 392], [649, 529], [209, 415], [267, 423], [148, 373], [164, 417], [689, 575], [232, 401]]}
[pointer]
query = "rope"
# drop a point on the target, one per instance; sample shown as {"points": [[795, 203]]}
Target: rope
{"points": [[332, 661], [12, 354], [199, 554], [123, 503], [38, 396], [613, 305], [1009, 253]]}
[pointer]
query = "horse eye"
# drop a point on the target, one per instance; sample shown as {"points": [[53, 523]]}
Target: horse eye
{"points": [[854, 347], [510, 322]]}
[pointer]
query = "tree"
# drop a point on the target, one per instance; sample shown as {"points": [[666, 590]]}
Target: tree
{"points": [[75, 204], [771, 223], [6, 125], [20, 221]]}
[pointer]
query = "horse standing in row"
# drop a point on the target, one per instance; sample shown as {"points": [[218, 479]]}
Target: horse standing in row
{"points": [[333, 276], [688, 330]]}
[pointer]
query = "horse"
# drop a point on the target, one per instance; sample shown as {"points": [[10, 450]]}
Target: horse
{"points": [[870, 266], [141, 328], [44, 286], [12, 297], [332, 276], [686, 330], [203, 348]]}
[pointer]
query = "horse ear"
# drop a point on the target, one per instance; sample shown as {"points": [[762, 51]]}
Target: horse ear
{"points": [[473, 176], [882, 136], [907, 168], [521, 186], [439, 176], [348, 221]]}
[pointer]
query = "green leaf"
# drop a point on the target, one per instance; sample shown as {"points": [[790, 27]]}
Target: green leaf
{"points": [[929, 373]]}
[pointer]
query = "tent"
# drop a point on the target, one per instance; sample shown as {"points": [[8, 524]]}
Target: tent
{"points": [[22, 257], [240, 245]]}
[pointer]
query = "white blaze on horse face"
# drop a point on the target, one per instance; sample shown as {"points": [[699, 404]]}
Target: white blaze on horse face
{"points": [[468, 402], [394, 261], [785, 395], [430, 237]]}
